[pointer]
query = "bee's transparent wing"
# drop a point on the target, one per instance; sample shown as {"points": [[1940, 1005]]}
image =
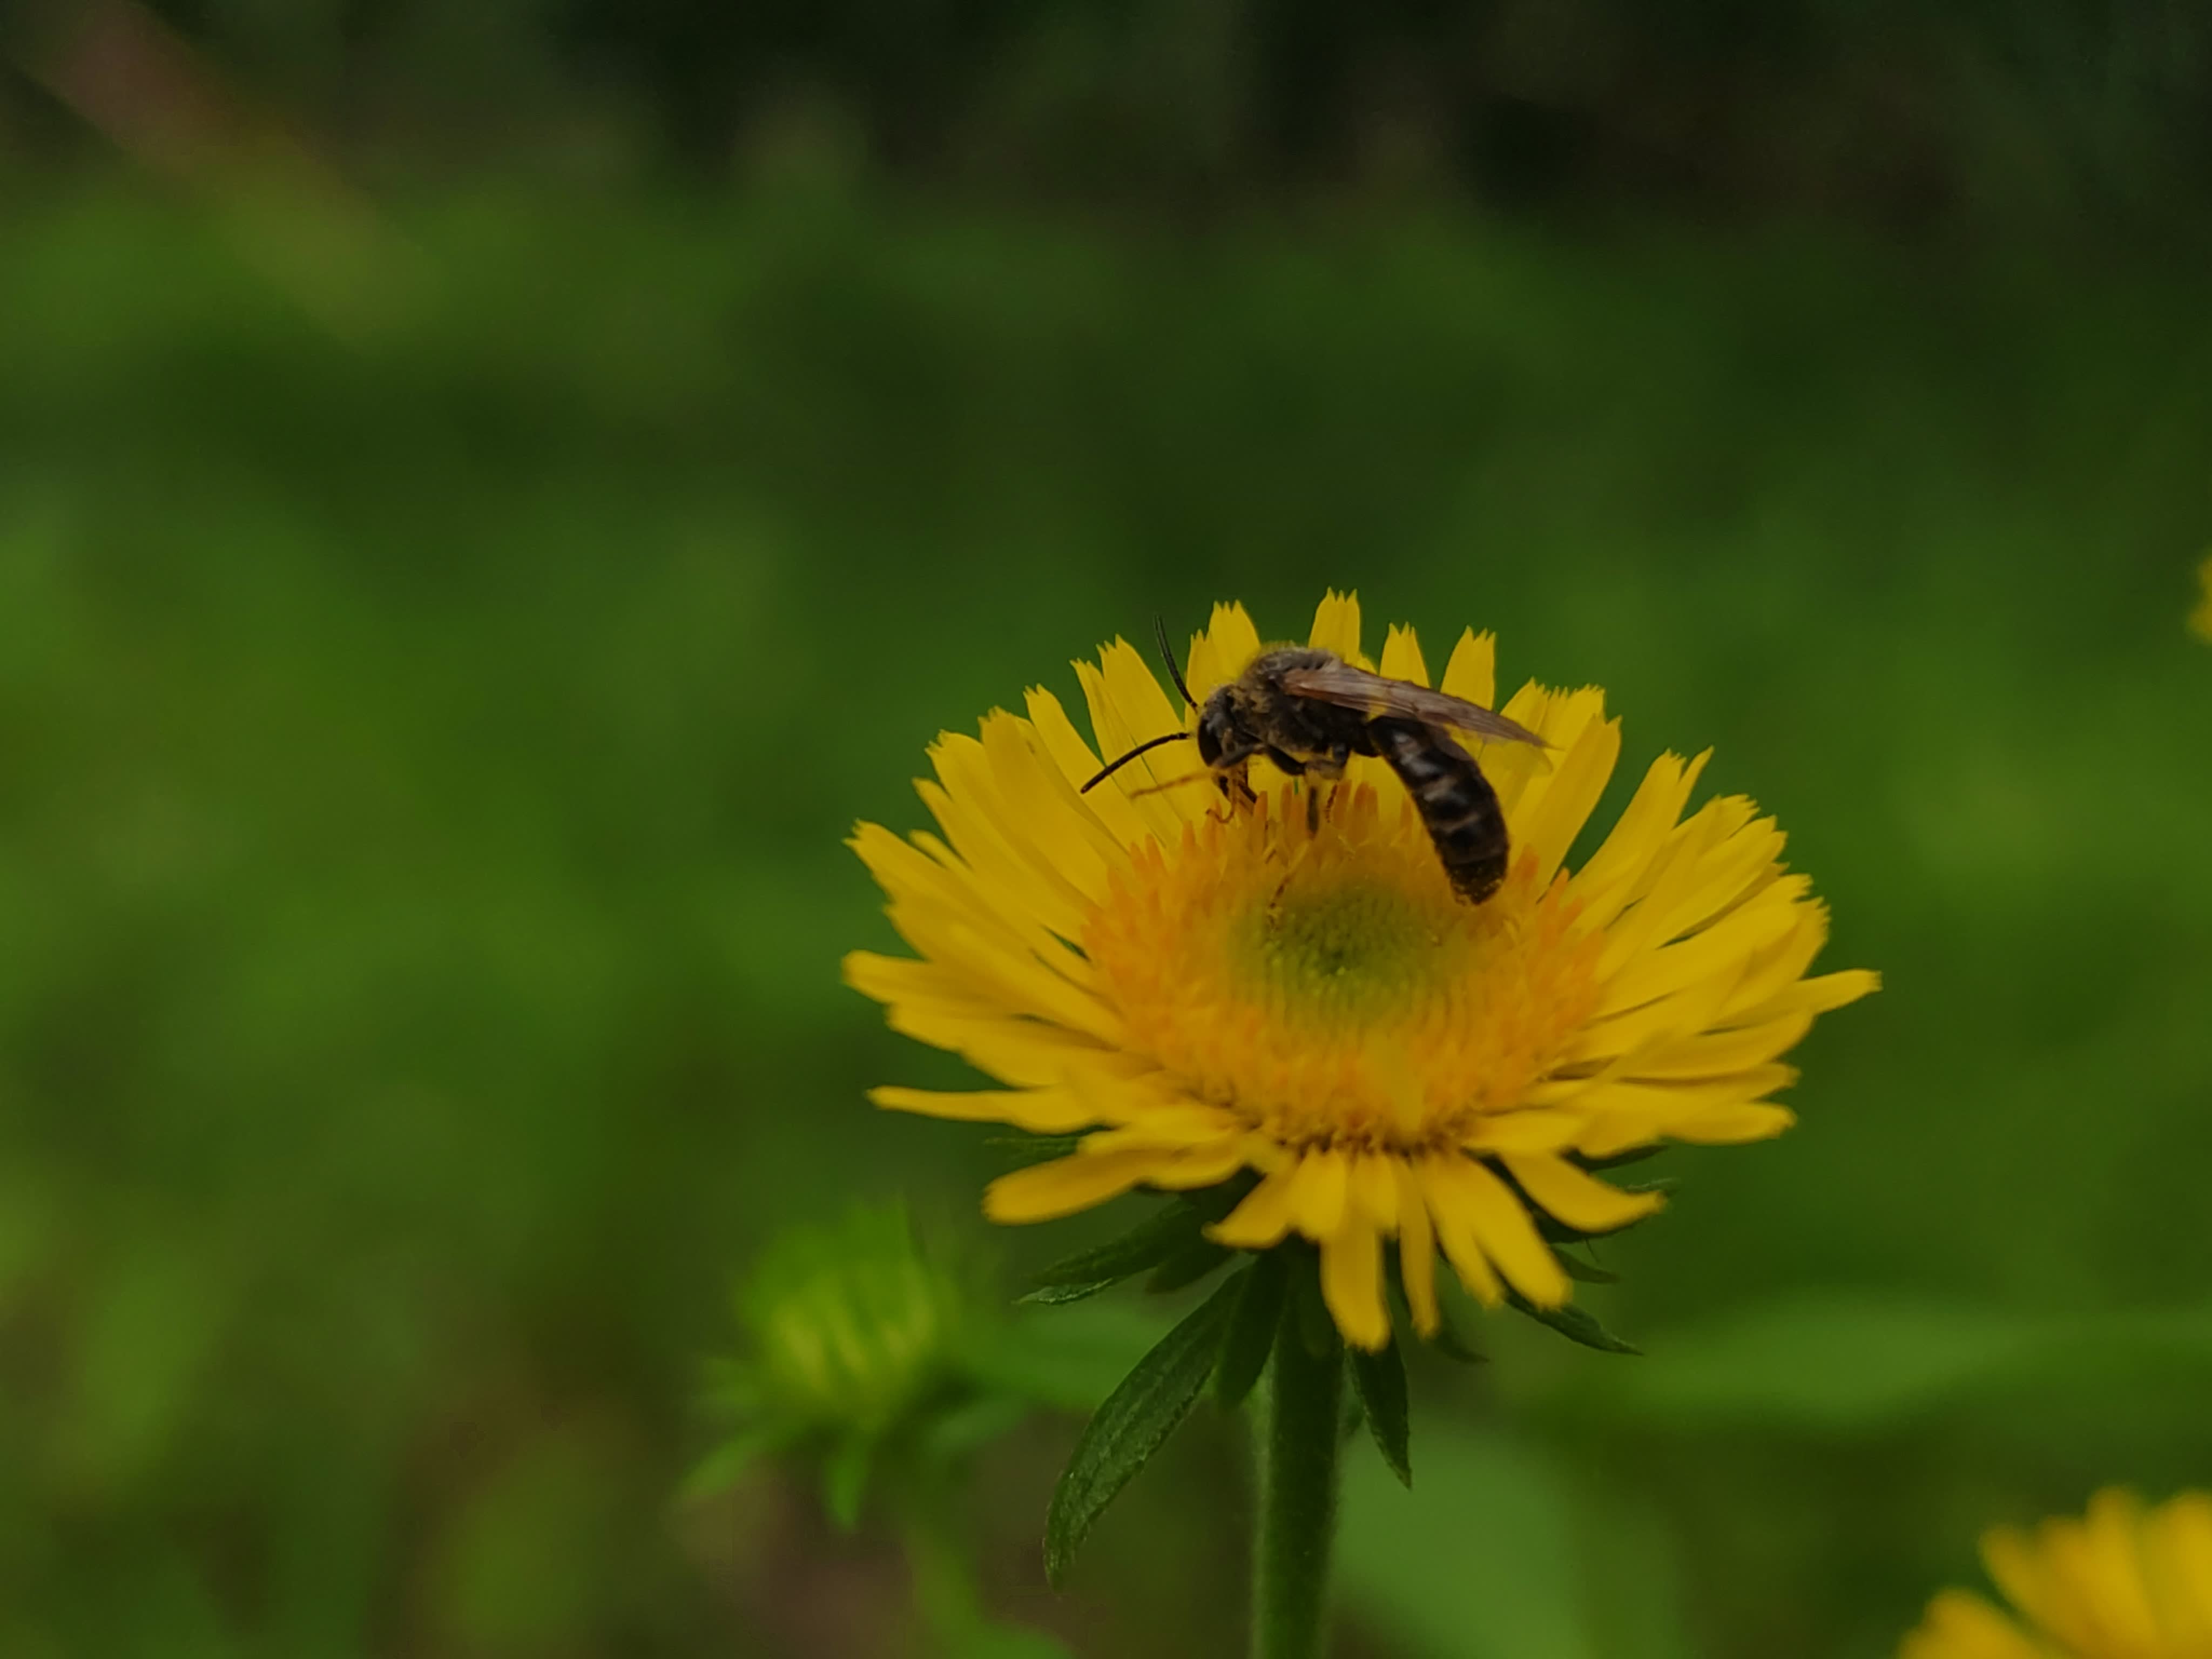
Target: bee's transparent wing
{"points": [[1341, 683]]}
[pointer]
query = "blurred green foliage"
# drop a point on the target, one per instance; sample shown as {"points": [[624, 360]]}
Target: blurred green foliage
{"points": [[427, 755], [2059, 117]]}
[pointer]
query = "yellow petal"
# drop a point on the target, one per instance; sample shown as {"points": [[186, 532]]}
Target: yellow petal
{"points": [[1555, 806], [1530, 1129], [1351, 1284], [1571, 1194], [1401, 657], [1318, 1194], [1120, 730], [1041, 1112], [1962, 1626], [1219, 654], [1261, 1222], [1472, 673], [1416, 1250], [1115, 812], [1610, 880], [1373, 1189], [1336, 626], [1045, 1192], [1455, 1228], [1509, 1238]]}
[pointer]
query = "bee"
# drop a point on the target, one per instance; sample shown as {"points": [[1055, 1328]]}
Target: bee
{"points": [[1309, 712]]}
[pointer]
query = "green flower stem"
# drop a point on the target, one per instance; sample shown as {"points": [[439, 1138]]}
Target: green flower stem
{"points": [[1299, 1439]]}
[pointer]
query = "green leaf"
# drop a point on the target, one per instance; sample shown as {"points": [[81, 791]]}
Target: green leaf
{"points": [[1252, 1327], [1152, 1241], [1187, 1266], [1134, 1422], [1576, 1324], [845, 1479], [1379, 1379]]}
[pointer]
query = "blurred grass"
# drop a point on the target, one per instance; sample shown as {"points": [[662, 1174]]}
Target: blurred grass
{"points": [[426, 758]]}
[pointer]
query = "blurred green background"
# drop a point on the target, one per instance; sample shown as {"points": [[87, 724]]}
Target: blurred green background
{"points": [[447, 630]]}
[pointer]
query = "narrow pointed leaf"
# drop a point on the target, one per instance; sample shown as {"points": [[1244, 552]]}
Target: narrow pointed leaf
{"points": [[1187, 1266], [1576, 1325], [1136, 1419], [1379, 1379], [1252, 1327], [1151, 1241]]}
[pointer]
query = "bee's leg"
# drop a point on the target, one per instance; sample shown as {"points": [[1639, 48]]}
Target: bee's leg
{"points": [[1235, 786], [1329, 767]]}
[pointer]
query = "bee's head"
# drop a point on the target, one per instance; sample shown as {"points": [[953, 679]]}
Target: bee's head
{"points": [[1217, 728]]}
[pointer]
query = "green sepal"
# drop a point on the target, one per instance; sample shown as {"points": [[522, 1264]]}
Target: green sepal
{"points": [[1452, 1345], [1379, 1381], [1187, 1266], [1309, 1308], [1136, 1419], [1618, 1160], [1252, 1327], [1587, 1272], [1155, 1239], [1576, 1324], [1059, 1296], [845, 1479]]}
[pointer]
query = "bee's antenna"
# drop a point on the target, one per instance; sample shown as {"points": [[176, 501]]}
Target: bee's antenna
{"points": [[1112, 767], [1168, 656]]}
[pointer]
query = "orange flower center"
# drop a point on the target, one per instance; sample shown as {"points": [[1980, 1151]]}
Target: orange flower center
{"points": [[1326, 984]]}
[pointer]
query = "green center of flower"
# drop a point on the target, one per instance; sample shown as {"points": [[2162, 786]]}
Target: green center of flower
{"points": [[1341, 945]]}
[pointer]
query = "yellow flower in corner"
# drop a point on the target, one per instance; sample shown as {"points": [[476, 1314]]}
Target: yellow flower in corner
{"points": [[2201, 618], [2122, 1582], [1203, 985]]}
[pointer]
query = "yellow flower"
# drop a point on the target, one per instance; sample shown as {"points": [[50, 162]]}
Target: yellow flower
{"points": [[1209, 987], [2120, 1583], [2201, 618]]}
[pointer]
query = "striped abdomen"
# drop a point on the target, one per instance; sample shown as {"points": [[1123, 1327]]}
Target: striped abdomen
{"points": [[1454, 801]]}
